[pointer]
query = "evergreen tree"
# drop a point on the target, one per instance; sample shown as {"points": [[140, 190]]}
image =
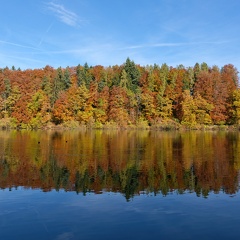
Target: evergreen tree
{"points": [[84, 76], [204, 67], [133, 74], [8, 88], [80, 75], [5, 95], [164, 71], [188, 81], [46, 86], [58, 85], [196, 70], [66, 79], [11, 100], [88, 75]]}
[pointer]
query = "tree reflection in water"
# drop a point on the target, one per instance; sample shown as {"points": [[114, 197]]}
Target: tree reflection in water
{"points": [[129, 162]]}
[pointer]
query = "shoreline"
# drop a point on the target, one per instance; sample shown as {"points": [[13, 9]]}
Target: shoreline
{"points": [[158, 127]]}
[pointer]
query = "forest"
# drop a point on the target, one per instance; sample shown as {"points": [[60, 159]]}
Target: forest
{"points": [[120, 96]]}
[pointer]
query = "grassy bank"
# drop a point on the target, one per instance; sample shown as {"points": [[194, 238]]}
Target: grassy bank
{"points": [[9, 123]]}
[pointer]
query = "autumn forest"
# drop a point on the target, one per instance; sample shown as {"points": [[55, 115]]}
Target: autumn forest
{"points": [[128, 95]]}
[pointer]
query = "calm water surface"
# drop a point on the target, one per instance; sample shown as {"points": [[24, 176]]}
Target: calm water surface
{"points": [[119, 185]]}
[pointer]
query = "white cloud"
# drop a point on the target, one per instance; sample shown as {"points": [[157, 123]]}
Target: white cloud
{"points": [[64, 15], [17, 45], [178, 44], [42, 38]]}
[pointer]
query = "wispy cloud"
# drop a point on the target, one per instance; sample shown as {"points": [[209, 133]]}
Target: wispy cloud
{"points": [[156, 45], [64, 15], [42, 38], [21, 58], [18, 45]]}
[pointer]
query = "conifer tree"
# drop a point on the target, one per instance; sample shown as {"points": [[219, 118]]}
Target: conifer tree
{"points": [[84, 76], [133, 74], [66, 79]]}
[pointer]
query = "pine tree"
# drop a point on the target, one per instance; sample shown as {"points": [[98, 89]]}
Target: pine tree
{"points": [[46, 86], [133, 74], [84, 76], [66, 79]]}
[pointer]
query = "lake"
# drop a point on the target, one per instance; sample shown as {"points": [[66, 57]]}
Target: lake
{"points": [[110, 184]]}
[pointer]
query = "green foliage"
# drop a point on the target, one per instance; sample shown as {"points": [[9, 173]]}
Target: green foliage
{"points": [[10, 101], [196, 70], [36, 122], [133, 74], [66, 78], [84, 76], [98, 125], [37, 102], [8, 88], [236, 106], [204, 67], [46, 86], [62, 82]]}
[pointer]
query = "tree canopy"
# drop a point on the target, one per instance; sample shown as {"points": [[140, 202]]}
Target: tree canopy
{"points": [[123, 95]]}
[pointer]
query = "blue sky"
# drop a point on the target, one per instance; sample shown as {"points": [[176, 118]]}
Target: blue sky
{"points": [[36, 33]]}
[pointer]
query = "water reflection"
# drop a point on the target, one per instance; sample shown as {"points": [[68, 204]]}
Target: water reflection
{"points": [[128, 162]]}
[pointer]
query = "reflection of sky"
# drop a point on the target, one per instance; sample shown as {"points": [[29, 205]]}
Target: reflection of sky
{"points": [[32, 214]]}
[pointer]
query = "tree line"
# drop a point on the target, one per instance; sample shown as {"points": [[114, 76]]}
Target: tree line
{"points": [[120, 96]]}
